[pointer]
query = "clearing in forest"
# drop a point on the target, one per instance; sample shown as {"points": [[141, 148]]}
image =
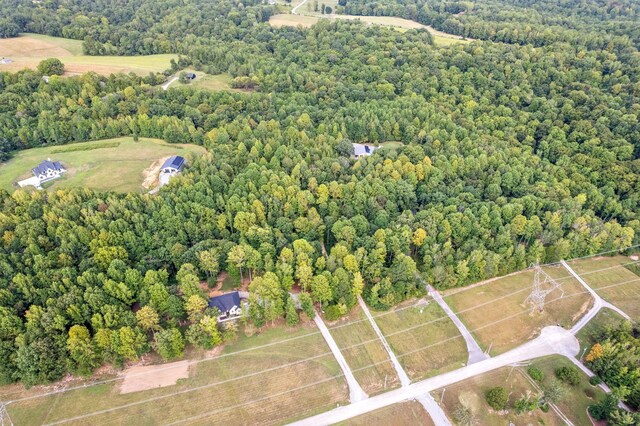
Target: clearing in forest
{"points": [[496, 313], [107, 165], [27, 50], [425, 341], [364, 352], [614, 280], [279, 375]]}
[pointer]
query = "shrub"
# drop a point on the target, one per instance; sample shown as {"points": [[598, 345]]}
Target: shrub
{"points": [[536, 374], [497, 398], [464, 416], [525, 404], [595, 380], [568, 375], [51, 66]]}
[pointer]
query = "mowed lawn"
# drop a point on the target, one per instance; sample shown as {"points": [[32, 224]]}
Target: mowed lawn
{"points": [[404, 413], [604, 319], [114, 165], [496, 313], [364, 352], [470, 394], [250, 383], [211, 82], [424, 339], [27, 50], [612, 281]]}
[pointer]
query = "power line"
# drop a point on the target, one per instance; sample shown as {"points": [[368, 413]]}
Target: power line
{"points": [[315, 333], [543, 285]]}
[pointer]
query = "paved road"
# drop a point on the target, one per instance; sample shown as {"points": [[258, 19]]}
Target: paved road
{"points": [[355, 391], [475, 353], [402, 375], [598, 303], [168, 83], [295, 9], [552, 340], [435, 411]]}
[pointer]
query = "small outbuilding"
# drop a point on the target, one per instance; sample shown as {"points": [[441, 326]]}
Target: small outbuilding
{"points": [[190, 76], [173, 164], [228, 304], [48, 170], [361, 150]]}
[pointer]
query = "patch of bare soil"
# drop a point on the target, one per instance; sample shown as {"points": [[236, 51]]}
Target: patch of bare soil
{"points": [[141, 378], [150, 174], [584, 308], [634, 257]]}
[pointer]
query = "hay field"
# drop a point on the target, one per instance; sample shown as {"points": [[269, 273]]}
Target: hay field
{"points": [[27, 50]]}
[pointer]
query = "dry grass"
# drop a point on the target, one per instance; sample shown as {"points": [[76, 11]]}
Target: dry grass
{"points": [[431, 344], [369, 362], [304, 379], [497, 316], [612, 281], [28, 50], [470, 393], [404, 413]]}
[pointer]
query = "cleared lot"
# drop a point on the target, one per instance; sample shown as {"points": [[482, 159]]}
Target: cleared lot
{"points": [[495, 313], [259, 383], [424, 339], [614, 282], [364, 353]]}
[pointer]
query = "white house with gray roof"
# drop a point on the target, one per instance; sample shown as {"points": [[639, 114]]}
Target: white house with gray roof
{"points": [[48, 170], [361, 150]]}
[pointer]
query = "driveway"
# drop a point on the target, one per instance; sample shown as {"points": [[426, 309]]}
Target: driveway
{"points": [[552, 340]]}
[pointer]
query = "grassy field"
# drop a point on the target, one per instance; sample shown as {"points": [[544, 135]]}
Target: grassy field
{"points": [[28, 50], [400, 24], [497, 316], [404, 413], [228, 389], [577, 398], [115, 165], [431, 344], [471, 394], [612, 281], [369, 362], [211, 82]]}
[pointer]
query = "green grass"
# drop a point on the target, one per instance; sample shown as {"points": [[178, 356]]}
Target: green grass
{"points": [[211, 82], [612, 281], [369, 361], [230, 283], [577, 398], [216, 389], [470, 393], [431, 344], [495, 312], [28, 50], [403, 413], [115, 164]]}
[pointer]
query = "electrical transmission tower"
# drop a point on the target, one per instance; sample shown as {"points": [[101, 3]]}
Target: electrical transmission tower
{"points": [[5, 420], [543, 284]]}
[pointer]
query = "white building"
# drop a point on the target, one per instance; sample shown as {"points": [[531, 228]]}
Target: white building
{"points": [[48, 170], [361, 150]]}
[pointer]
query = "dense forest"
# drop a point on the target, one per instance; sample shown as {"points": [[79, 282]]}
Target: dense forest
{"points": [[510, 153]]}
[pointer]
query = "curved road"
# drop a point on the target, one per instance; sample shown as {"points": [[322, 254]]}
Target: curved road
{"points": [[552, 341]]}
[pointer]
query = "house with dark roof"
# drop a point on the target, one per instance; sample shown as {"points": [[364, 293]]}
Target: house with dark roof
{"points": [[48, 170], [228, 304], [190, 76], [173, 164], [361, 150]]}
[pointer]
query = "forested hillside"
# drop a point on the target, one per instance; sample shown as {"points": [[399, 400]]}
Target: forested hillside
{"points": [[511, 154]]}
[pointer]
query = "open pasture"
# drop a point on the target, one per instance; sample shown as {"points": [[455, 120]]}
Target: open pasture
{"points": [[27, 50]]}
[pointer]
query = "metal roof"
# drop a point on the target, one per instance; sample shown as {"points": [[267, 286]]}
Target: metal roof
{"points": [[175, 161]]}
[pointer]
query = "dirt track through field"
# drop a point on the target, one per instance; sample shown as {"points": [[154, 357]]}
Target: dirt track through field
{"points": [[141, 378]]}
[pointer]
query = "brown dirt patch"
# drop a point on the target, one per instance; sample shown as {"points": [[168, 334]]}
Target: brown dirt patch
{"points": [[150, 174], [30, 47], [141, 378]]}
